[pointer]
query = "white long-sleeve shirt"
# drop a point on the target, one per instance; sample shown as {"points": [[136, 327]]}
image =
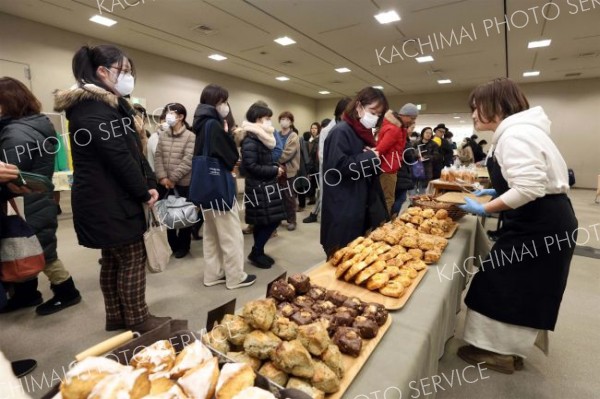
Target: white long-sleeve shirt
{"points": [[151, 148], [529, 159]]}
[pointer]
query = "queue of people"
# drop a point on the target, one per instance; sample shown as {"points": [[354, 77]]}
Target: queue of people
{"points": [[357, 170]]}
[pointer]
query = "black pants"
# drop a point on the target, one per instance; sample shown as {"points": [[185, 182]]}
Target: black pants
{"points": [[262, 234], [179, 239]]}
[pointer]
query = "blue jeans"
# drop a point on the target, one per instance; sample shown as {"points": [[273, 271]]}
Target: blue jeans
{"points": [[399, 200]]}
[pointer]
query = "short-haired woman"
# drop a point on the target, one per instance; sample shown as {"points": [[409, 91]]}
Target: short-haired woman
{"points": [[223, 241], [350, 180], [23, 126], [111, 181], [173, 168], [514, 299], [290, 160], [262, 199]]}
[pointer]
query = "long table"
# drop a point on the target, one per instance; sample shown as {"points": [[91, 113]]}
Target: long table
{"points": [[411, 348]]}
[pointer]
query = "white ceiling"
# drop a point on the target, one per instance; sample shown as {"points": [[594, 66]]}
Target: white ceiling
{"points": [[343, 33]]}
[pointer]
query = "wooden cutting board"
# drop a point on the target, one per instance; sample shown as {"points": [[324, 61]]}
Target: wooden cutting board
{"points": [[456, 197], [324, 275], [352, 365]]}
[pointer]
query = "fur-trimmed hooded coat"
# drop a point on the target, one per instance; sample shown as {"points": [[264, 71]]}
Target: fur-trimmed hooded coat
{"points": [[111, 176]]}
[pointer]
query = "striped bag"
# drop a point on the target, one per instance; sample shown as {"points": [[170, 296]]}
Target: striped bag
{"points": [[21, 255]]}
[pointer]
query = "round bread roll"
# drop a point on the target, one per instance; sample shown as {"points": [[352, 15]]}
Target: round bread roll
{"points": [[260, 314], [441, 214], [377, 281], [392, 289]]}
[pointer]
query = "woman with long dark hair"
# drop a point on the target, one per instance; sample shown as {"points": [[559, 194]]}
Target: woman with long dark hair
{"points": [[28, 140], [223, 241], [173, 167], [111, 181], [351, 188], [512, 299]]}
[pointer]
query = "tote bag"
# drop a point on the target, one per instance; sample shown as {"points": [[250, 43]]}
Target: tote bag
{"points": [[418, 171], [176, 212], [158, 251], [212, 185], [21, 254]]}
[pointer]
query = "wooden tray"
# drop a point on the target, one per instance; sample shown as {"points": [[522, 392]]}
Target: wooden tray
{"points": [[459, 198], [352, 365], [324, 275]]}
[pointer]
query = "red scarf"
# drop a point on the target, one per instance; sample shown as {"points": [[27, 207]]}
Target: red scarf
{"points": [[365, 134]]}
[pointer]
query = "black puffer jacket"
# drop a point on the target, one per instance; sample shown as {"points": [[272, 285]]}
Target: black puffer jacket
{"points": [[31, 144], [262, 198], [404, 175], [111, 176]]}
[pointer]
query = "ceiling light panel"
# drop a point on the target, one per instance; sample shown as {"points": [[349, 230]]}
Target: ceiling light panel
{"points": [[444, 81], [426, 58], [531, 73], [284, 41], [103, 20], [324, 92], [282, 78], [387, 17], [539, 43], [342, 70], [217, 57]]}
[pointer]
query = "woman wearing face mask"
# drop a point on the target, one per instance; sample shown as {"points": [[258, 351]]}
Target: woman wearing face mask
{"points": [[173, 163], [429, 153], [262, 199], [223, 241], [465, 152], [112, 181], [290, 160], [313, 166], [350, 180]]}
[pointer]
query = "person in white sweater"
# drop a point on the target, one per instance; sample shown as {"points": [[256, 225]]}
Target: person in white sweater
{"points": [[514, 298]]}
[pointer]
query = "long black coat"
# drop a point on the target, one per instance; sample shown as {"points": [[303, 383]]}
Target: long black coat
{"points": [[111, 176], [30, 143], [263, 200], [222, 144], [349, 174]]}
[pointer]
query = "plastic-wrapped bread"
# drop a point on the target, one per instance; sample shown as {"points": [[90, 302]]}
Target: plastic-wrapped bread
{"points": [[191, 356], [83, 377], [201, 381], [234, 378], [130, 384]]}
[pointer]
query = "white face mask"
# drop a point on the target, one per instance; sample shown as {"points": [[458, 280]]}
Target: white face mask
{"points": [[369, 120], [267, 123], [171, 119], [285, 123], [223, 110], [125, 84]]}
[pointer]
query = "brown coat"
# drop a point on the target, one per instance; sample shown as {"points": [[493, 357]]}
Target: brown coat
{"points": [[173, 157], [290, 158]]}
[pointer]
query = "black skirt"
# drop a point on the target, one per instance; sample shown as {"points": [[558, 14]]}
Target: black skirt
{"points": [[523, 279]]}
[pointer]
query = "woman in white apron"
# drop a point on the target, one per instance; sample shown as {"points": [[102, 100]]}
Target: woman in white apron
{"points": [[515, 296]]}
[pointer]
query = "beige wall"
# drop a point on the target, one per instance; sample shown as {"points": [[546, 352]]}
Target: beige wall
{"points": [[573, 106], [49, 51]]}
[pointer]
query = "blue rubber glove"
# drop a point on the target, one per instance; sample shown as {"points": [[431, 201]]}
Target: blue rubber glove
{"points": [[472, 206], [487, 191]]}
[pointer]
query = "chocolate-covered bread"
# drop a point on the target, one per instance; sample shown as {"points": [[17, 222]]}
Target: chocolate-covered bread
{"points": [[336, 297], [324, 307], [282, 291], [354, 303], [342, 319], [303, 317], [377, 312], [300, 282], [304, 301], [286, 309], [316, 293], [366, 326], [348, 340], [344, 309]]}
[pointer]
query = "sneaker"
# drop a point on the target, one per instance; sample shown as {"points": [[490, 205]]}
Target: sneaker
{"points": [[181, 253], [270, 260], [291, 226], [260, 261], [251, 279], [21, 368], [312, 218], [216, 282]]}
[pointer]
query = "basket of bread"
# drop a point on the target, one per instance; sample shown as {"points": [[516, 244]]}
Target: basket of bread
{"points": [[429, 202]]}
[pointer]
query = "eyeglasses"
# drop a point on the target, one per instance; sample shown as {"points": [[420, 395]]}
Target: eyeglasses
{"points": [[123, 71]]}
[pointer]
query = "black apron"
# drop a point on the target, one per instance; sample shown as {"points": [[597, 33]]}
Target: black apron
{"points": [[523, 279]]}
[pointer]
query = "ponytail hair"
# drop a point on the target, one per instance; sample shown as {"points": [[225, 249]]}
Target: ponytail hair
{"points": [[87, 60]]}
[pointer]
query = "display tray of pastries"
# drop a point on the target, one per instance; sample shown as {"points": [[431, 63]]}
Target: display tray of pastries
{"points": [[429, 221], [303, 336], [157, 371]]}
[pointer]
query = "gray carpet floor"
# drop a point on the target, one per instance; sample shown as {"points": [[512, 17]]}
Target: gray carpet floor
{"points": [[570, 371]]}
